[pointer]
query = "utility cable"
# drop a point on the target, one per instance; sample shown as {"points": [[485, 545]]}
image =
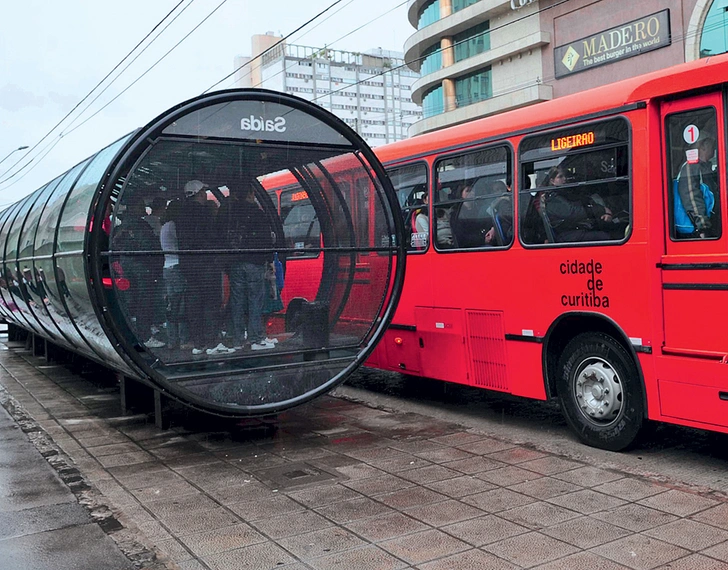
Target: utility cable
{"points": [[95, 87], [283, 39], [126, 89]]}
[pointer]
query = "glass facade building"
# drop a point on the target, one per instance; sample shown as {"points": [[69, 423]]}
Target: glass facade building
{"points": [[481, 57]]}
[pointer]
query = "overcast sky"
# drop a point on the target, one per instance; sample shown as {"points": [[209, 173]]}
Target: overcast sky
{"points": [[52, 53]]}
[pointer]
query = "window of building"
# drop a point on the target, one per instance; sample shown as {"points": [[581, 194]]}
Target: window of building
{"points": [[575, 186], [473, 203], [473, 87], [472, 41], [430, 14], [458, 5], [714, 39], [433, 103], [431, 59]]}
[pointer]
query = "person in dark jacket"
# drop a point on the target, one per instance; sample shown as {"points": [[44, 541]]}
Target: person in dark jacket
{"points": [[144, 272], [573, 215], [196, 232], [245, 226], [690, 178]]}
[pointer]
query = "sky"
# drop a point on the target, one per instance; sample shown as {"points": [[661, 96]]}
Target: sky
{"points": [[53, 53]]}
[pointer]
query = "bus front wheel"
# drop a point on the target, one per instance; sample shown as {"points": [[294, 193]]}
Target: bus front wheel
{"points": [[599, 391]]}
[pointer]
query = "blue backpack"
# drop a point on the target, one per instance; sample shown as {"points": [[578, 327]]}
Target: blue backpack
{"points": [[683, 223]]}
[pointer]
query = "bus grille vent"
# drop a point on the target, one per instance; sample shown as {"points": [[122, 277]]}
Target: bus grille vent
{"points": [[487, 349]]}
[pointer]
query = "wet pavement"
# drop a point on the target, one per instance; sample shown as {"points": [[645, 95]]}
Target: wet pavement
{"points": [[331, 484]]}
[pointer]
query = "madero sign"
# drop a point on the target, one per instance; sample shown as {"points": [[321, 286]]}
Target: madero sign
{"points": [[635, 38]]}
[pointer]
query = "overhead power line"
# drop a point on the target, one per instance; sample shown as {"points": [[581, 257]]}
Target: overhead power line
{"points": [[91, 92], [283, 39]]}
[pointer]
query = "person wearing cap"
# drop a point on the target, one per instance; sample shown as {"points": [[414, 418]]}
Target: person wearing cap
{"points": [[196, 232], [690, 178]]}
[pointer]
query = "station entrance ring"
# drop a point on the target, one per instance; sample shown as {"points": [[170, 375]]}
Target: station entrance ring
{"points": [[194, 210]]}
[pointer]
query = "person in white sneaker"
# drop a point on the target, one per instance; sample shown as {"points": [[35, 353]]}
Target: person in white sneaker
{"points": [[245, 226], [196, 231]]}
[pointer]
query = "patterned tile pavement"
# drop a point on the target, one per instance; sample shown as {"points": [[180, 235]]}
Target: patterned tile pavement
{"points": [[338, 485]]}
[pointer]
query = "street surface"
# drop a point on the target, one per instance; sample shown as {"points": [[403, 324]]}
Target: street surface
{"points": [[673, 453], [388, 473]]}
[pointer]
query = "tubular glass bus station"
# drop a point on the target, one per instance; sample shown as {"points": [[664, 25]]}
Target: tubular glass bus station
{"points": [[137, 257]]}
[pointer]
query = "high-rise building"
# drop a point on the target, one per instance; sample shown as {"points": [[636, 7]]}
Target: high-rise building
{"points": [[370, 91], [480, 57]]}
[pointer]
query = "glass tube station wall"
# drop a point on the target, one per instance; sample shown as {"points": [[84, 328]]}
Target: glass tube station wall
{"points": [[155, 255]]}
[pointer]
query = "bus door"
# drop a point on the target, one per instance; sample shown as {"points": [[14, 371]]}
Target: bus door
{"points": [[695, 264]]}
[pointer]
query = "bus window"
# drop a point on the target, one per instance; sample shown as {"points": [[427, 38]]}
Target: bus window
{"points": [[361, 197], [575, 185], [474, 205], [693, 174], [300, 223], [410, 183]]}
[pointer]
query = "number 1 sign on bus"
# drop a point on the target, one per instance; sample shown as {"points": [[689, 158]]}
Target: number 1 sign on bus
{"points": [[553, 268]]}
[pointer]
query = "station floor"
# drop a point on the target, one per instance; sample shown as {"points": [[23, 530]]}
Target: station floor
{"points": [[336, 484]]}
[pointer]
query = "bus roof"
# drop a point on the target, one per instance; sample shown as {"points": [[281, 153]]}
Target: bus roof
{"points": [[683, 77]]}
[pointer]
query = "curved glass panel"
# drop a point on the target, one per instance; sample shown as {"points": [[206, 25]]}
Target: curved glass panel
{"points": [[432, 59], [429, 14], [239, 253], [4, 310], [714, 37], [433, 103], [70, 257], [19, 290], [30, 300], [33, 279], [55, 285], [6, 282], [198, 299]]}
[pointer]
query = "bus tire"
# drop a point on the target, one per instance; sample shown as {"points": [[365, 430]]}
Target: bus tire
{"points": [[599, 391]]}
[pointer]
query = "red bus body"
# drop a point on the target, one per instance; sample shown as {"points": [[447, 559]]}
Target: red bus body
{"points": [[502, 317]]}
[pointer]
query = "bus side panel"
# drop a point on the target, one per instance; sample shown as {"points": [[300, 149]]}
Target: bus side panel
{"points": [[303, 278], [524, 360], [399, 350], [442, 334], [693, 389]]}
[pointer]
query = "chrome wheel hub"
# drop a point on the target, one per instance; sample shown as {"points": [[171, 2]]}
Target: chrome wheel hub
{"points": [[598, 391]]}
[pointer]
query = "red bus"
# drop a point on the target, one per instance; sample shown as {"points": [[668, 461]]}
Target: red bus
{"points": [[301, 197], [555, 262]]}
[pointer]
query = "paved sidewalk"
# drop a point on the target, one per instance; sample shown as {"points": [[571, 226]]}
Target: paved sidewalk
{"points": [[339, 485], [42, 525]]}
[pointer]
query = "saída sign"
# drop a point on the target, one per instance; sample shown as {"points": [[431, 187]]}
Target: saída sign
{"points": [[634, 38]]}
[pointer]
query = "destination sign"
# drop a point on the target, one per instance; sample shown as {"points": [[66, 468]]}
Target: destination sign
{"points": [[573, 141]]}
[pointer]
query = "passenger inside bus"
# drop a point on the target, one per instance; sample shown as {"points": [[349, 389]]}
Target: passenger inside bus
{"points": [[464, 223], [573, 214], [501, 212], [694, 180]]}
